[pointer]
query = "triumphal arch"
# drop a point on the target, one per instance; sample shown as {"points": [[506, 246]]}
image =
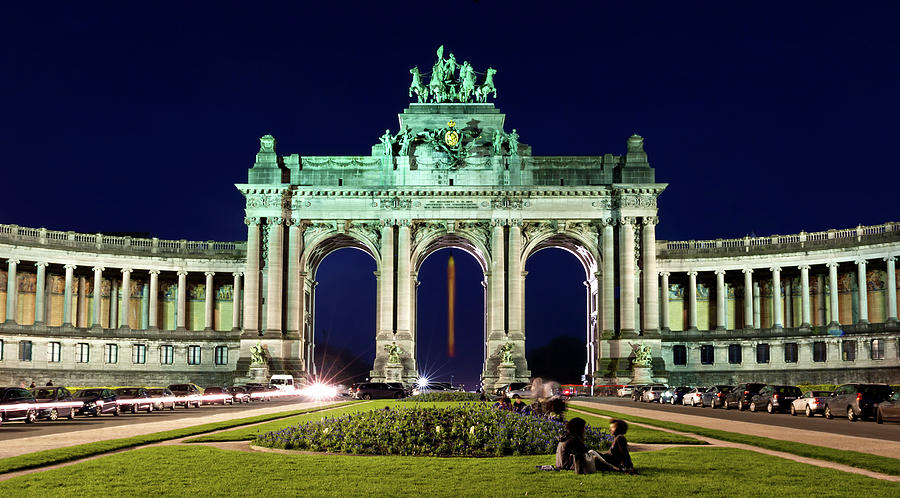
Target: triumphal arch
{"points": [[453, 175]]}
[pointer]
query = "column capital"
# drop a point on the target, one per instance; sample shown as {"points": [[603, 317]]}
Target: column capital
{"points": [[98, 269], [153, 272], [515, 223], [861, 261], [237, 274], [13, 261], [626, 220], [70, 266], [41, 263], [803, 267], [664, 273], [497, 222], [720, 272], [182, 273], [890, 258], [692, 273], [747, 270], [650, 220], [251, 220], [832, 264], [607, 222], [126, 270], [275, 220], [775, 269], [210, 273]]}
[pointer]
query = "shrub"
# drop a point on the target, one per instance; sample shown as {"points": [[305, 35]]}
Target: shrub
{"points": [[471, 430], [444, 396]]}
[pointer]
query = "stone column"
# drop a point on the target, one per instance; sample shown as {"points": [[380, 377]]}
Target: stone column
{"points": [[404, 285], [153, 310], [68, 316], [609, 282], [833, 293], [721, 324], [626, 274], [386, 281], [757, 312], [98, 280], [82, 318], [804, 296], [748, 298], [181, 299], [498, 277], [820, 306], [236, 302], [126, 297], [692, 300], [39, 294], [274, 275], [514, 276], [778, 319], [789, 303], [295, 249], [664, 300], [113, 303], [144, 322], [209, 301], [12, 290], [863, 291], [891, 313], [650, 306], [251, 277]]}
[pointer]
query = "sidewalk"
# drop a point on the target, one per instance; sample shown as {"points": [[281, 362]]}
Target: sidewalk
{"points": [[25, 445], [827, 439]]}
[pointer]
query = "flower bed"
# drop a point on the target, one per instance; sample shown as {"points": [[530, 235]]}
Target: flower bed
{"points": [[444, 396], [470, 430]]}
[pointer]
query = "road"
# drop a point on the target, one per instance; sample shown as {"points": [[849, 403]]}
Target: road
{"points": [[16, 430], [867, 428]]}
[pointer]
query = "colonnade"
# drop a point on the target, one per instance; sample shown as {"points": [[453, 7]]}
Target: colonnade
{"points": [[119, 309], [782, 309]]}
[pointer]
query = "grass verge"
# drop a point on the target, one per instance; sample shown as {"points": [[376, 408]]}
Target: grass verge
{"points": [[636, 434], [192, 470], [60, 455], [868, 461]]}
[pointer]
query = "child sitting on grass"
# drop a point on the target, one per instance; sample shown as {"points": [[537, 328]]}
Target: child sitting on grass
{"points": [[573, 454]]}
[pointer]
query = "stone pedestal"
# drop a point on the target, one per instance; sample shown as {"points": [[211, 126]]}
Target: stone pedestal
{"points": [[642, 375], [507, 373], [259, 374], [393, 373]]}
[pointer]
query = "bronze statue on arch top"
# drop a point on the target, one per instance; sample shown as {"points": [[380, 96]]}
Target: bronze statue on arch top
{"points": [[445, 86]]}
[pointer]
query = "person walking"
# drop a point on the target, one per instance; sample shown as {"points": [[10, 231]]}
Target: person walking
{"points": [[49, 382]]}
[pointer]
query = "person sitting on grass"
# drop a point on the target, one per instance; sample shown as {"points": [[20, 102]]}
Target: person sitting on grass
{"points": [[573, 454], [503, 404], [518, 405], [618, 458]]}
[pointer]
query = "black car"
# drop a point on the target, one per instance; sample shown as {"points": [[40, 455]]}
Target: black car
{"points": [[238, 394], [60, 401], [19, 403], [740, 396], [375, 390], [162, 398], [856, 401], [715, 396], [217, 395], [638, 392], [187, 395], [775, 398], [97, 401], [135, 399]]}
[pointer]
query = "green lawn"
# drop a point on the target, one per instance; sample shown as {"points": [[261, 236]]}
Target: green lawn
{"points": [[58, 455], [635, 434], [868, 461], [193, 470]]}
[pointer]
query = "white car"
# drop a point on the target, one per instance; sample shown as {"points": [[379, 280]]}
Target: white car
{"points": [[693, 396], [625, 391], [810, 403], [653, 394]]}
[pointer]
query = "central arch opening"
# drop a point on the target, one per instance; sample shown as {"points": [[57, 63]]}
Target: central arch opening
{"points": [[435, 306], [344, 319]]}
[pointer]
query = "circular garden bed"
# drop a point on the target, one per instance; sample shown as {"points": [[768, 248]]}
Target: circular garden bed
{"points": [[468, 430]]}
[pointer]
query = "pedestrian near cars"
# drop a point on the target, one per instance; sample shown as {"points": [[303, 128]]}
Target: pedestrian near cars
{"points": [[49, 383], [32, 386]]}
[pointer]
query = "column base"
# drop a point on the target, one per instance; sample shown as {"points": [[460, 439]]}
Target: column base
{"points": [[692, 329], [778, 326], [805, 325], [891, 319], [863, 322], [834, 325], [208, 329], [720, 329]]}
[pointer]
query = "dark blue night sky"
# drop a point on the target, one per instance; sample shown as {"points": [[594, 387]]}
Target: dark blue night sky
{"points": [[767, 118]]}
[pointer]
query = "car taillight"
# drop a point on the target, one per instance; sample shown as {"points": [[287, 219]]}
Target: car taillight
{"points": [[858, 396], [775, 397], [746, 392], [719, 395]]}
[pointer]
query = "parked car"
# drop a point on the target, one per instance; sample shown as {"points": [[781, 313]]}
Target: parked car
{"points": [[134, 399], [653, 393], [239, 394], [19, 403], [740, 396], [673, 395], [856, 401], [162, 398], [810, 403], [715, 396], [407, 391], [258, 392], [377, 390], [775, 398], [218, 395], [693, 396], [625, 391], [59, 396], [889, 410], [638, 391], [97, 401], [187, 395], [508, 389]]}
